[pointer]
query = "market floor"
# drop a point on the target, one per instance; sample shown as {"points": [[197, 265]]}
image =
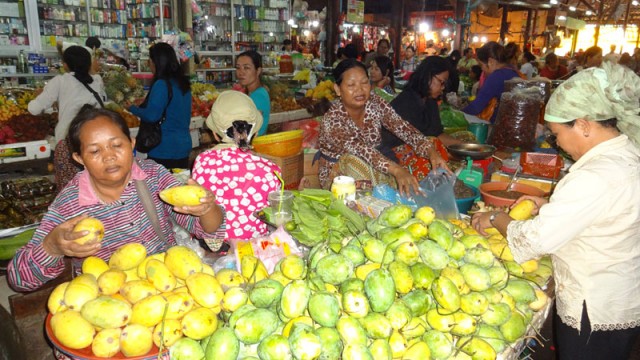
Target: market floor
{"points": [[544, 348]]}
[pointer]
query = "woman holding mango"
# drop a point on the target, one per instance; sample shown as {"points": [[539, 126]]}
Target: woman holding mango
{"points": [[591, 224], [107, 190]]}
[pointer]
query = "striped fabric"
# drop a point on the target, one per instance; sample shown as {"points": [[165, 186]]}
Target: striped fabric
{"points": [[125, 221]]}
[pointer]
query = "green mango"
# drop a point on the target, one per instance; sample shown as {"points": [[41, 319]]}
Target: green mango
{"points": [[255, 325], [514, 328], [294, 299], [474, 303], [497, 314], [477, 348], [352, 284], [514, 268], [440, 344], [353, 253], [335, 268], [465, 324], [471, 241], [380, 290], [238, 313], [433, 255], [266, 293], [402, 277], [493, 336], [351, 331], [479, 256], [415, 328], [457, 250], [274, 347], [380, 350], [439, 233], [394, 237], [223, 344], [407, 253], [317, 253], [498, 275], [395, 216], [187, 349], [521, 290], [524, 310], [418, 351], [324, 309], [330, 343], [446, 294], [356, 352], [493, 295], [376, 251], [399, 314], [476, 277], [442, 322], [304, 342], [355, 303], [455, 275], [423, 276], [293, 267], [419, 301], [376, 326]]}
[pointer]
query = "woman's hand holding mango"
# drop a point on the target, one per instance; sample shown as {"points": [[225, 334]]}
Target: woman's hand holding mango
{"points": [[61, 241]]}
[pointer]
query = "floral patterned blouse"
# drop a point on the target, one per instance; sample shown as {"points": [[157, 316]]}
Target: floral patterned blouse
{"points": [[339, 135], [241, 182]]}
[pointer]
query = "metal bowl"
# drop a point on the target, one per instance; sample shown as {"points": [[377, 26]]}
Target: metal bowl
{"points": [[474, 151]]}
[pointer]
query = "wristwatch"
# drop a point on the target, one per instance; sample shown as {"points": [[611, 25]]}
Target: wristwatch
{"points": [[492, 217]]}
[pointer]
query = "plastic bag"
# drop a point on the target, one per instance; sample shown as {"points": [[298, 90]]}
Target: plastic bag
{"points": [[438, 194], [517, 118], [269, 249], [543, 85], [387, 193]]}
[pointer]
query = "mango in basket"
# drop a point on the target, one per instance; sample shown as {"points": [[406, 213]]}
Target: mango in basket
{"points": [[185, 195]]}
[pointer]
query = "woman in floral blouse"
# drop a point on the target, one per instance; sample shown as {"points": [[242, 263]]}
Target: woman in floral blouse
{"points": [[351, 131]]}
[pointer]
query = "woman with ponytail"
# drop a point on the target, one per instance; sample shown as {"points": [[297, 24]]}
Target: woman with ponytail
{"points": [[168, 99], [240, 180], [71, 90]]}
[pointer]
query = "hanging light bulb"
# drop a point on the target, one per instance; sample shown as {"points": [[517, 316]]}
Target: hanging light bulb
{"points": [[445, 32], [383, 33], [483, 39], [423, 27], [572, 8], [588, 13], [553, 2], [306, 33], [475, 39], [634, 3]]}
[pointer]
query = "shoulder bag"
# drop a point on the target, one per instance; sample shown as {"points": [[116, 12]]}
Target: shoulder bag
{"points": [[149, 208], [95, 94], [150, 133]]}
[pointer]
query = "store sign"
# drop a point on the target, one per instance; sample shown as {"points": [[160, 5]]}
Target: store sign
{"points": [[575, 24], [355, 11]]}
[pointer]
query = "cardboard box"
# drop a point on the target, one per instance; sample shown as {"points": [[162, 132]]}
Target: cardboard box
{"points": [[292, 168], [310, 168]]}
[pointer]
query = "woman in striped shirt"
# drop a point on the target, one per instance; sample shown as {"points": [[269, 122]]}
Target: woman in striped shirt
{"points": [[106, 190]]}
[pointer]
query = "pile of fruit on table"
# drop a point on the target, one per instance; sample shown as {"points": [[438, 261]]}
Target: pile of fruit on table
{"points": [[408, 287], [203, 97]]}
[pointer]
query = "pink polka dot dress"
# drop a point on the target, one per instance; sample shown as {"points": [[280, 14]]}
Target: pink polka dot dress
{"points": [[241, 182]]}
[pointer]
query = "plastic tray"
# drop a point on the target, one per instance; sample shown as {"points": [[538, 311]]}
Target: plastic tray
{"points": [[541, 164]]}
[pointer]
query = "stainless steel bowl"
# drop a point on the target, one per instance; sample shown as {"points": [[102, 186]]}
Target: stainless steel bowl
{"points": [[474, 151]]}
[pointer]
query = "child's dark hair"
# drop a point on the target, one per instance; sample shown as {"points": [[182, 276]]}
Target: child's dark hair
{"points": [[477, 71], [386, 67], [78, 60], [239, 132]]}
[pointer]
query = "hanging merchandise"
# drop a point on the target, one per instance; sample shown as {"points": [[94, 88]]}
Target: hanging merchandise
{"points": [[182, 43], [196, 10]]}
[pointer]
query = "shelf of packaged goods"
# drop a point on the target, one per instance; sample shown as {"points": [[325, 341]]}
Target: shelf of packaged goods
{"points": [[67, 21], [28, 75], [215, 53]]}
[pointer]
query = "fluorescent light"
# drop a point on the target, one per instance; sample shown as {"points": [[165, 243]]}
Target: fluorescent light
{"points": [[270, 34], [314, 23], [356, 29], [634, 3], [572, 8], [306, 33], [382, 32], [475, 39], [588, 13], [423, 27], [206, 16], [291, 22], [445, 32], [483, 39], [562, 17], [553, 2]]}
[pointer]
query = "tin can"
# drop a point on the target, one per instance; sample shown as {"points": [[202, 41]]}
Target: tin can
{"points": [[344, 187]]}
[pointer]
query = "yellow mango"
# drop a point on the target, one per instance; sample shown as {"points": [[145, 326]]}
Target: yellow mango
{"points": [[253, 269], [229, 278], [142, 268], [132, 274], [55, 303], [81, 289], [106, 312], [233, 299], [207, 269], [199, 323], [529, 266], [72, 330], [363, 270], [184, 195], [522, 210], [95, 266], [169, 333], [128, 256], [148, 311], [289, 325], [95, 228], [137, 290], [135, 340], [111, 281], [205, 290], [182, 261], [178, 304], [106, 344], [540, 301], [159, 275]]}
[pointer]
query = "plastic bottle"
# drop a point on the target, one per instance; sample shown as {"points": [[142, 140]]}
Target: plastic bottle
{"points": [[22, 63]]}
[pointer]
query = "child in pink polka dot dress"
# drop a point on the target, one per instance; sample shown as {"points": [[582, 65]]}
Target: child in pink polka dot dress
{"points": [[240, 180]]}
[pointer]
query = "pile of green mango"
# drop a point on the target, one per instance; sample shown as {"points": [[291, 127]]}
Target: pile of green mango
{"points": [[409, 287]]}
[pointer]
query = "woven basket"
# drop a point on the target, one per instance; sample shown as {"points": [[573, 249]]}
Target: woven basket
{"points": [[280, 144]]}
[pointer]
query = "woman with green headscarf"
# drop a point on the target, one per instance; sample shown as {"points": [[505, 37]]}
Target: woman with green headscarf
{"points": [[591, 224]]}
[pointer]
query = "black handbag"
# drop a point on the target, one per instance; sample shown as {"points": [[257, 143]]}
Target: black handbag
{"points": [[150, 133]]}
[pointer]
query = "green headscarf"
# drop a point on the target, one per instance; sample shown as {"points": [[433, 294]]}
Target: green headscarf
{"points": [[596, 94]]}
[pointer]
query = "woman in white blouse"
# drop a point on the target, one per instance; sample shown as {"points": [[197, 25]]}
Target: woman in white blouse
{"points": [[591, 223]]}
